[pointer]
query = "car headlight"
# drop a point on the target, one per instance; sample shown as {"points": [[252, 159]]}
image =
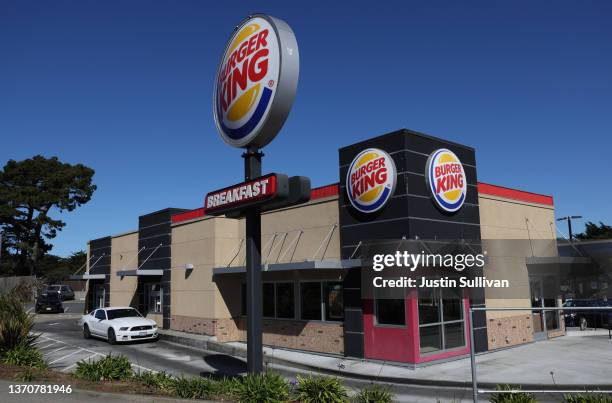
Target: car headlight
{"points": [[123, 329], [155, 326]]}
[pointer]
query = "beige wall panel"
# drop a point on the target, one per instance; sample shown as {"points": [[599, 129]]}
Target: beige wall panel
{"points": [[124, 256], [193, 303], [511, 232]]}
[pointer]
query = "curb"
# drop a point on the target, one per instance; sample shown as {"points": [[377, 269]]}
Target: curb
{"points": [[223, 348]]}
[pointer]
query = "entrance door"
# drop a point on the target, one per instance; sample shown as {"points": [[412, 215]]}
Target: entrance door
{"points": [[98, 296], [543, 322], [537, 301]]}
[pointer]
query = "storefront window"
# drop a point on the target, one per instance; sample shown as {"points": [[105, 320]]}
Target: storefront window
{"points": [[310, 296], [390, 312], [285, 301], [277, 300], [334, 302], [441, 319], [268, 300], [154, 297]]}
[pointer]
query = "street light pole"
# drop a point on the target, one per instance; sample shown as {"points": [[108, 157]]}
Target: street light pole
{"points": [[569, 224]]}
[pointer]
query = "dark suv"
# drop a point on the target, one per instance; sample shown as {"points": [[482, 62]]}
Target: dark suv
{"points": [[586, 319], [64, 291], [49, 303]]}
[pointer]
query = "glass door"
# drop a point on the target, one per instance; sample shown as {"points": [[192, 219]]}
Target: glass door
{"points": [[537, 301]]}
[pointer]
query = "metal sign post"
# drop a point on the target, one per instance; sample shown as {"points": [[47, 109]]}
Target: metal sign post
{"points": [[254, 91], [252, 169]]}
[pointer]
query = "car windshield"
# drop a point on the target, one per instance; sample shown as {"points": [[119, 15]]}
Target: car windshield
{"points": [[53, 288], [122, 313]]}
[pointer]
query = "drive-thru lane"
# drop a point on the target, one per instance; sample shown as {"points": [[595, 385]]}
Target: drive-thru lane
{"points": [[62, 343]]}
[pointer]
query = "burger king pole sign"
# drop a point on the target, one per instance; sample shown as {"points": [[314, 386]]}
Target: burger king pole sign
{"points": [[256, 82], [254, 91]]}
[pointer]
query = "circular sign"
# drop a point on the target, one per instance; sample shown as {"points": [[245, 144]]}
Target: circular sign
{"points": [[446, 179], [256, 82], [370, 180]]}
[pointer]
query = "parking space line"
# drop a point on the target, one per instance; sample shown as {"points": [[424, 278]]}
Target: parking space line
{"points": [[48, 345], [54, 351], [66, 356]]}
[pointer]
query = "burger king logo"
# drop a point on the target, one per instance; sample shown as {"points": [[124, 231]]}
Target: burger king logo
{"points": [[446, 179], [370, 180], [256, 82]]}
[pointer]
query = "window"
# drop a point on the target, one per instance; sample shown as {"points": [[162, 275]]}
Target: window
{"points": [[441, 319], [285, 301], [334, 301], [268, 300], [310, 296], [100, 314], [153, 294], [322, 300], [277, 300], [390, 312]]}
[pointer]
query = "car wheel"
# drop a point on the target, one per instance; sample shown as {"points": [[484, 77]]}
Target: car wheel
{"points": [[86, 332], [112, 339], [583, 323]]}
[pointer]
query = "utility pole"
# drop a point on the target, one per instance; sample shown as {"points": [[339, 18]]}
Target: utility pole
{"points": [[569, 224]]}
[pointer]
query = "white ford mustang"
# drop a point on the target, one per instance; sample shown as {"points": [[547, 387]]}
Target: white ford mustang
{"points": [[118, 324]]}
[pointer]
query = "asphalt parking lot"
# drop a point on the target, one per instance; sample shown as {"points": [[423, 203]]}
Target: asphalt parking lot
{"points": [[63, 346]]}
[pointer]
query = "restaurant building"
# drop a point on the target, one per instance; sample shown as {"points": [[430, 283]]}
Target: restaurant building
{"points": [[186, 269]]}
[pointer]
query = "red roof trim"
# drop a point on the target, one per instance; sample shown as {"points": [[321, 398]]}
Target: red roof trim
{"points": [[324, 191], [514, 194], [334, 189], [188, 215]]}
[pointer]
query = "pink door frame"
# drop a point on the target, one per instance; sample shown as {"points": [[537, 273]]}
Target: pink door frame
{"points": [[402, 343]]}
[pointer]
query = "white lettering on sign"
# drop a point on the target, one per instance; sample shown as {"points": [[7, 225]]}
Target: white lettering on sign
{"points": [[240, 194]]}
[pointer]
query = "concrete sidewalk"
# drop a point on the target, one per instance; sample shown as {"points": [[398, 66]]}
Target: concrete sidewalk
{"points": [[566, 362]]}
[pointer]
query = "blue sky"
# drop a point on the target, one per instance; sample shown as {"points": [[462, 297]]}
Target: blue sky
{"points": [[125, 87]]}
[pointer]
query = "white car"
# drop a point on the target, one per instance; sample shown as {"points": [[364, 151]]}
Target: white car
{"points": [[118, 324]]}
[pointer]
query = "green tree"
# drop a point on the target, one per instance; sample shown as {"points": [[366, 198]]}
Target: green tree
{"points": [[594, 231], [30, 191]]}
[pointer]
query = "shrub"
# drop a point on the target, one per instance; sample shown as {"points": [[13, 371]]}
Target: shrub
{"points": [[159, 380], [320, 390], [193, 388], [109, 368], [26, 356], [266, 387], [15, 324], [510, 397], [374, 394], [588, 398], [227, 387]]}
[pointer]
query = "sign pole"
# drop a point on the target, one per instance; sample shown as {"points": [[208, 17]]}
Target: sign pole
{"points": [[252, 169]]}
